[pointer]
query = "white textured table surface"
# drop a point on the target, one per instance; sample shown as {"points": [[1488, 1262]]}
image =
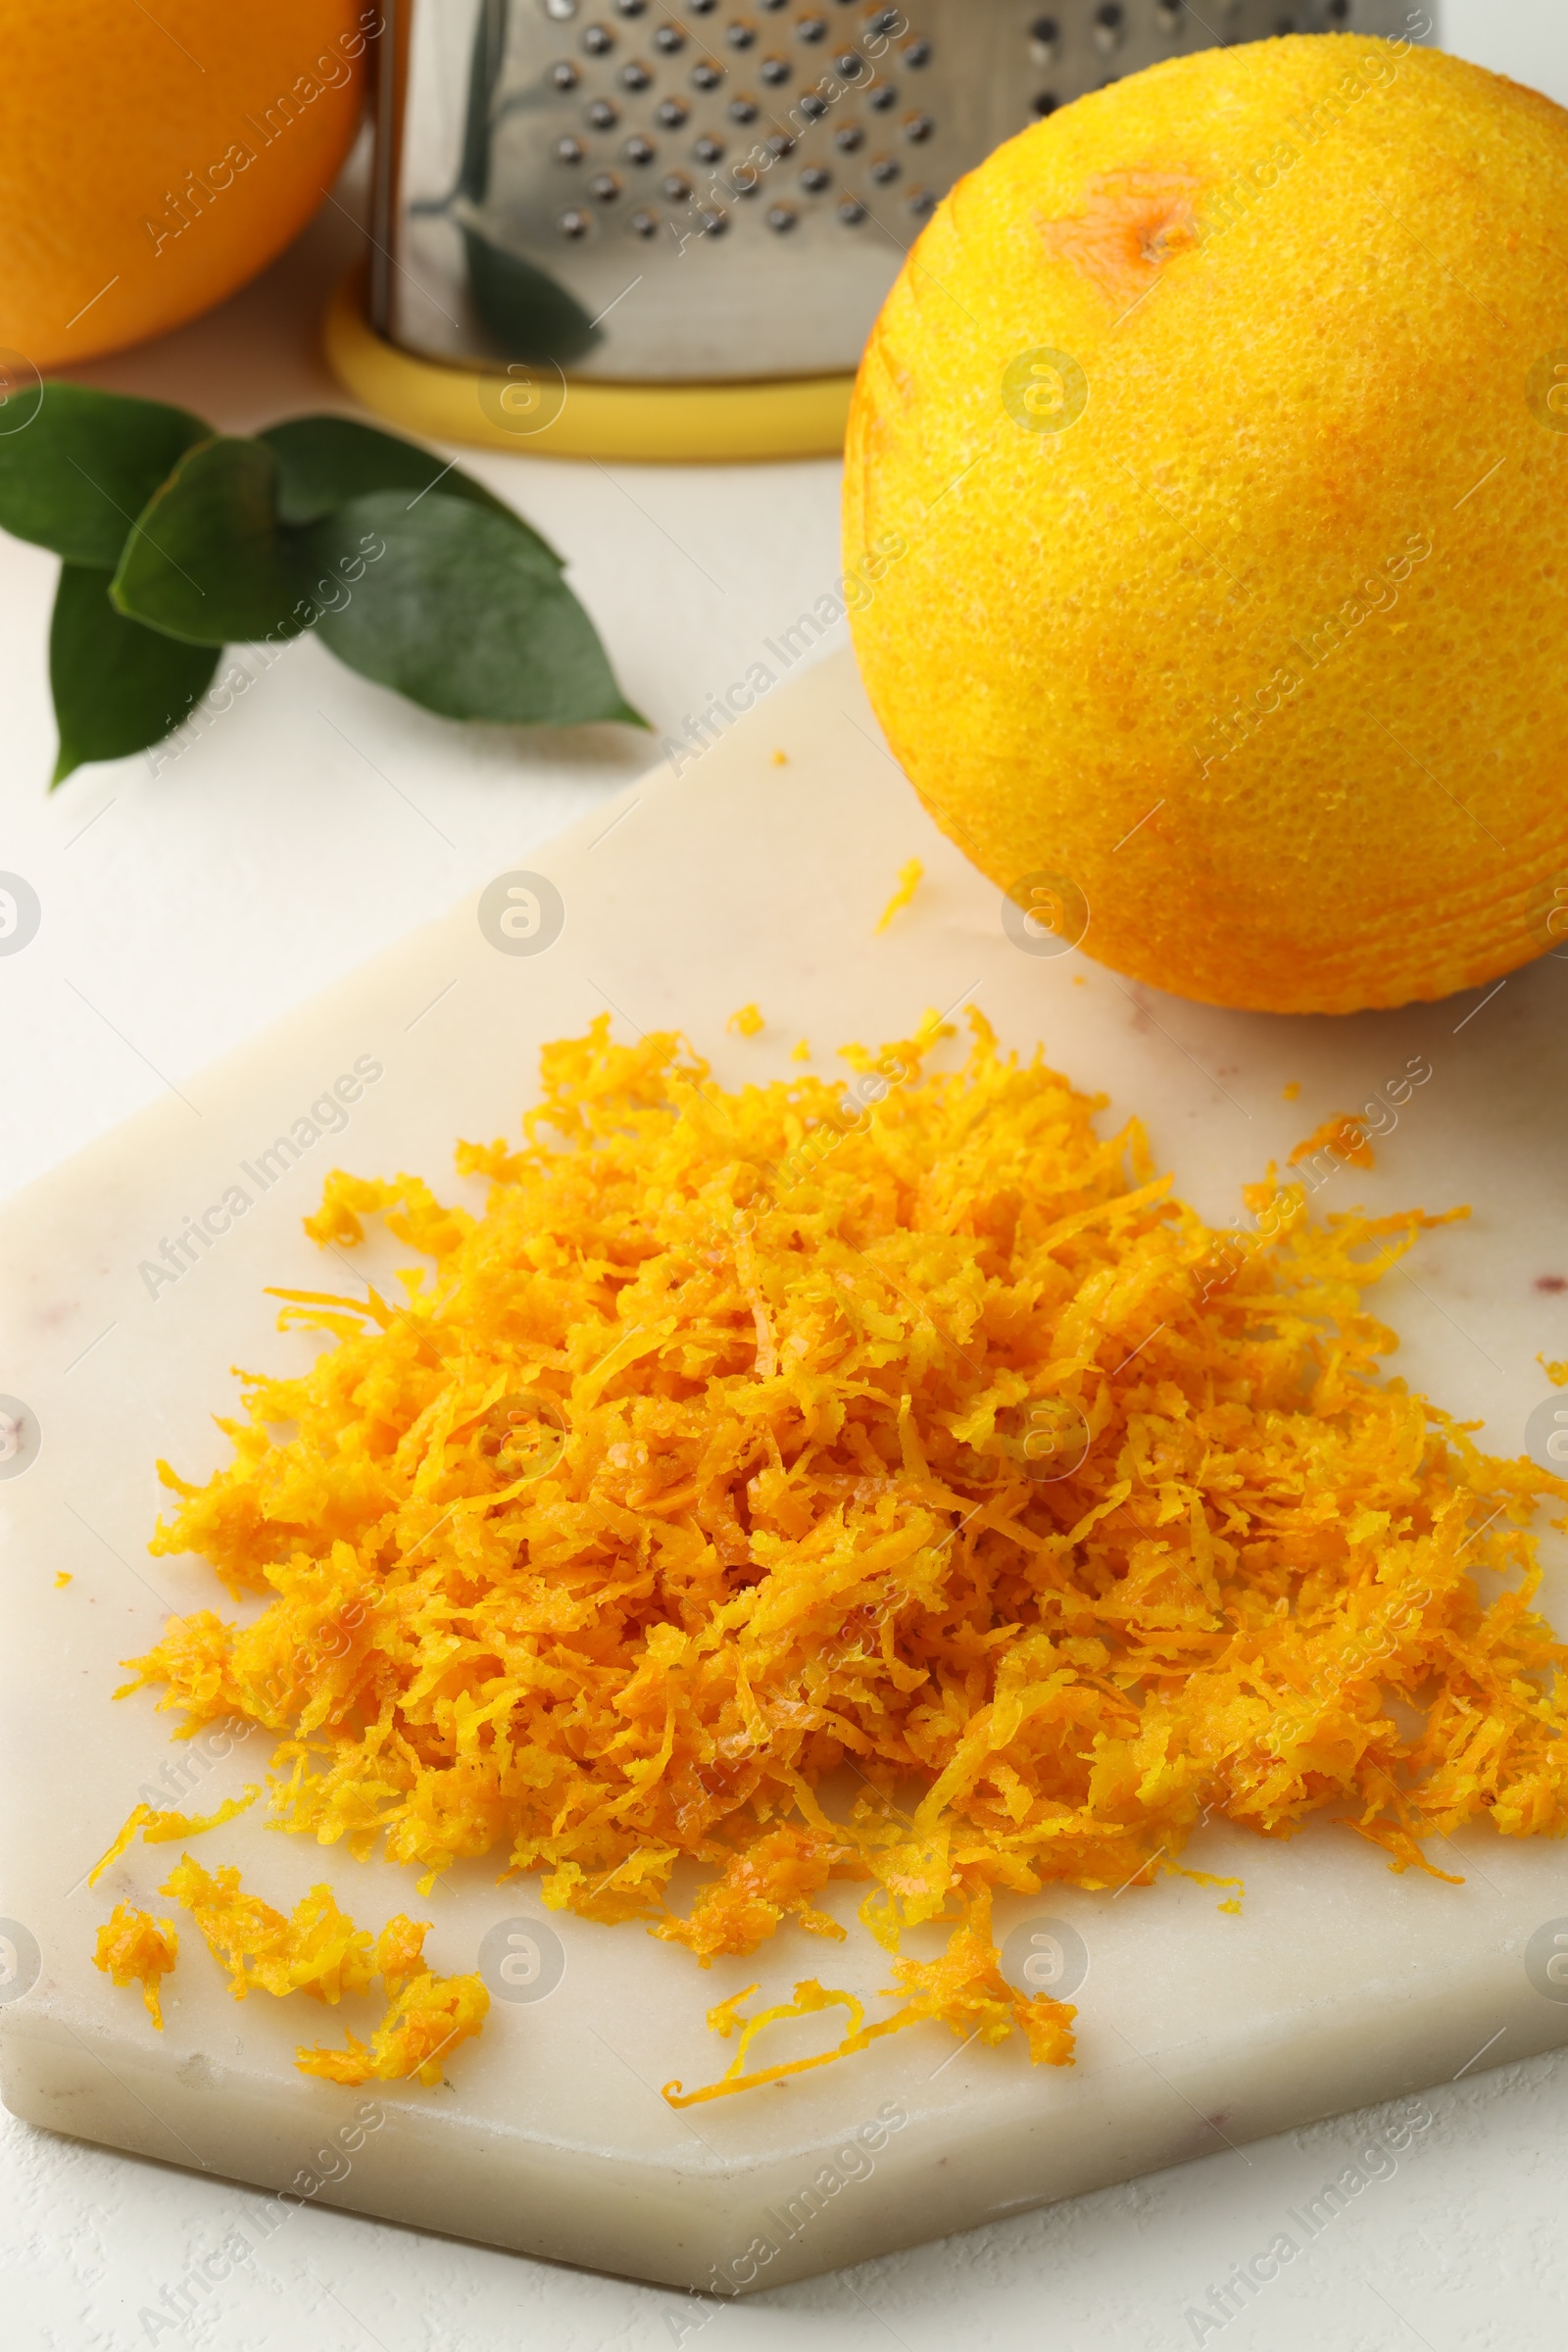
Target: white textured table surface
{"points": [[318, 822]]}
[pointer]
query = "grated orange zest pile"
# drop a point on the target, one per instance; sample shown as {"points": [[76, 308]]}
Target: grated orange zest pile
{"points": [[691, 1506], [134, 1948]]}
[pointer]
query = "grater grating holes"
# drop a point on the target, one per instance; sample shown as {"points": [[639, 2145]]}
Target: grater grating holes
{"points": [[730, 180]]}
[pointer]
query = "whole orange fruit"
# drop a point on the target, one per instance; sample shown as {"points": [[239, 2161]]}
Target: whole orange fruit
{"points": [[153, 159], [1224, 416]]}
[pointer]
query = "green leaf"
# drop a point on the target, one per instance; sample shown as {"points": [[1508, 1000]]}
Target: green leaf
{"points": [[461, 613], [322, 461], [207, 561], [77, 476], [118, 687], [529, 314]]}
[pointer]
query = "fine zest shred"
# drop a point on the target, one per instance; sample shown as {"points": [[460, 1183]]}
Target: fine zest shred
{"points": [[900, 1486], [134, 1948], [910, 875], [1343, 1135], [963, 1989], [163, 1828]]}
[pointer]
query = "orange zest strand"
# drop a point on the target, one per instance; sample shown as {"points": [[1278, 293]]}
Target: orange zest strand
{"points": [[163, 1828], [133, 1948], [1346, 1137], [887, 1482], [910, 876], [964, 1989], [122, 1837]]}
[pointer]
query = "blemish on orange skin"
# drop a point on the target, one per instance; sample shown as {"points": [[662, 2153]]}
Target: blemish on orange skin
{"points": [[1133, 223]]}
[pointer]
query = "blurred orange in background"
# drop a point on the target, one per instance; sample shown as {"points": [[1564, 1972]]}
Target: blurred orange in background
{"points": [[154, 156]]}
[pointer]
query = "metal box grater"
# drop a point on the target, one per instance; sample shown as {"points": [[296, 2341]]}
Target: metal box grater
{"points": [[717, 190]]}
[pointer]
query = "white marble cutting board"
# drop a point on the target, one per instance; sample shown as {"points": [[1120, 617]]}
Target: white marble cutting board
{"points": [[1340, 1984]]}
